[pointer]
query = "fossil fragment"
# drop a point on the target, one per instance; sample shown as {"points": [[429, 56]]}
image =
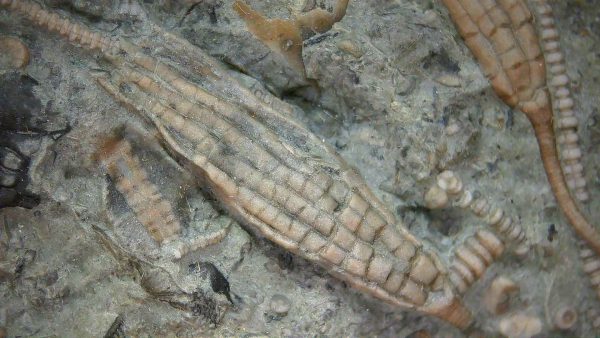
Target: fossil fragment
{"points": [[449, 80], [591, 266], [472, 258], [281, 36], [568, 137], [286, 36], [75, 33], [565, 317], [449, 186], [497, 296], [180, 248], [13, 53], [279, 305], [350, 47], [159, 282], [520, 326], [131, 179], [269, 171], [563, 102], [503, 39]]}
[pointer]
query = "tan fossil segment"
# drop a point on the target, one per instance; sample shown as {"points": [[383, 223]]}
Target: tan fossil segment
{"points": [[502, 36], [270, 172], [591, 266], [286, 36], [144, 198], [13, 53], [473, 257], [520, 325], [448, 188], [180, 248], [497, 296], [568, 138], [559, 85], [565, 317]]}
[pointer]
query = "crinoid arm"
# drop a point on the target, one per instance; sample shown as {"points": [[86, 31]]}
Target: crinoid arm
{"points": [[502, 36]]}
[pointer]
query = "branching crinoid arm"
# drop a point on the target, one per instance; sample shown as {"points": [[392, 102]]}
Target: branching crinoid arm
{"points": [[273, 175], [502, 37]]}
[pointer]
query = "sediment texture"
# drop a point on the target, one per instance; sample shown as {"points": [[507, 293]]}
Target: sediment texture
{"points": [[401, 99], [271, 179]]}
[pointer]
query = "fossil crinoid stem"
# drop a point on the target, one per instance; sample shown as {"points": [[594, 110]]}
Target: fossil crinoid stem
{"points": [[144, 198], [591, 266], [473, 257], [502, 37], [448, 187], [74, 32], [270, 172], [559, 82]]}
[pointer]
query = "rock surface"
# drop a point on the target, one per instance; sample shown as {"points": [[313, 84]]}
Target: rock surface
{"points": [[391, 86]]}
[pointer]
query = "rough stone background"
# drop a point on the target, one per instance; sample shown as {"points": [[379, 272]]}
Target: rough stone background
{"points": [[385, 85]]}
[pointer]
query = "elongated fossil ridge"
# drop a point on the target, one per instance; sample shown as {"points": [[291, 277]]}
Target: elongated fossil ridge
{"points": [[501, 35], [269, 171], [144, 198]]}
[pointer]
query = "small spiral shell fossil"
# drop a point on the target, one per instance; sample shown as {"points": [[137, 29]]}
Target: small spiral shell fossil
{"points": [[472, 258]]}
